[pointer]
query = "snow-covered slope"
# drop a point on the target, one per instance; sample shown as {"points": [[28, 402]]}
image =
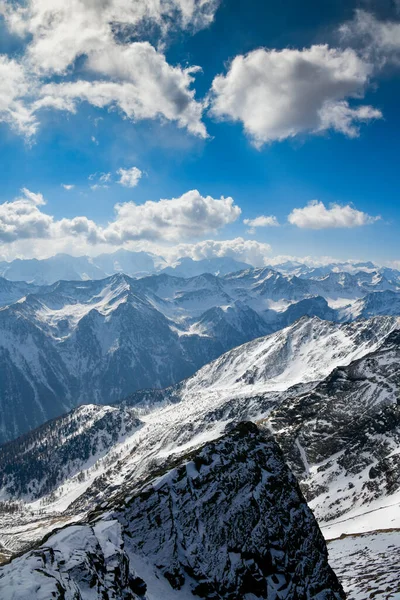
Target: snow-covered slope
{"points": [[368, 565], [61, 449], [343, 441], [306, 351], [164, 540]]}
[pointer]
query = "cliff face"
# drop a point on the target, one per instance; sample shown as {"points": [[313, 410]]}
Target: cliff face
{"points": [[227, 521]]}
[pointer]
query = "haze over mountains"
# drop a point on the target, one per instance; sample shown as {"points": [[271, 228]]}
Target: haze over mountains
{"points": [[136, 264]]}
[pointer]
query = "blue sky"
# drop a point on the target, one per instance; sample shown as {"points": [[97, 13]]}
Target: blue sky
{"points": [[309, 114]]}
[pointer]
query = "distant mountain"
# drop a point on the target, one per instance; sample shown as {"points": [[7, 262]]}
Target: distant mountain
{"points": [[96, 341], [49, 270], [135, 264], [159, 539], [187, 267]]}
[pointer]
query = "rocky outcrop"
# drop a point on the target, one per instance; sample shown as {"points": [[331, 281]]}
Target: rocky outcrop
{"points": [[227, 521]]}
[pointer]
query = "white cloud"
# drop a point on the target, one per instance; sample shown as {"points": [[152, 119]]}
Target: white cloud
{"points": [[278, 94], [129, 177], [316, 216], [250, 251], [261, 221], [68, 186], [114, 71], [102, 181], [378, 40], [189, 217], [58, 31], [136, 79], [15, 88], [23, 219]]}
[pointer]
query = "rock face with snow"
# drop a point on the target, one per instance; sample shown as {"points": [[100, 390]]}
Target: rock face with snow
{"points": [[228, 521]]}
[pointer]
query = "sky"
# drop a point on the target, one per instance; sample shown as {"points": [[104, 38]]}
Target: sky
{"points": [[258, 130]]}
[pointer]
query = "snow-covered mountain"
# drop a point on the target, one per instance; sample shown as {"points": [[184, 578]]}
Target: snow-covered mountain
{"points": [[97, 341], [163, 539], [65, 267]]}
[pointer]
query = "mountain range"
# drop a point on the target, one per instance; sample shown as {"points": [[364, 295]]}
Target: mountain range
{"points": [[97, 341], [138, 264], [139, 436]]}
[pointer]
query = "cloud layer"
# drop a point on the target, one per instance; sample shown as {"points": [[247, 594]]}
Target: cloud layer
{"points": [[191, 216], [316, 216], [250, 251], [280, 94]]}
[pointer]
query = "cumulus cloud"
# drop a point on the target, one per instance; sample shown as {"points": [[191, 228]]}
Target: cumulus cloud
{"points": [[114, 71], [22, 218], [129, 177], [316, 216], [68, 186], [250, 251], [261, 221], [190, 216], [138, 80], [14, 102], [278, 94]]}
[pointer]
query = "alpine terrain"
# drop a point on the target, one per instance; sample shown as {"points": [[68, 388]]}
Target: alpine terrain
{"points": [[97, 341]]}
